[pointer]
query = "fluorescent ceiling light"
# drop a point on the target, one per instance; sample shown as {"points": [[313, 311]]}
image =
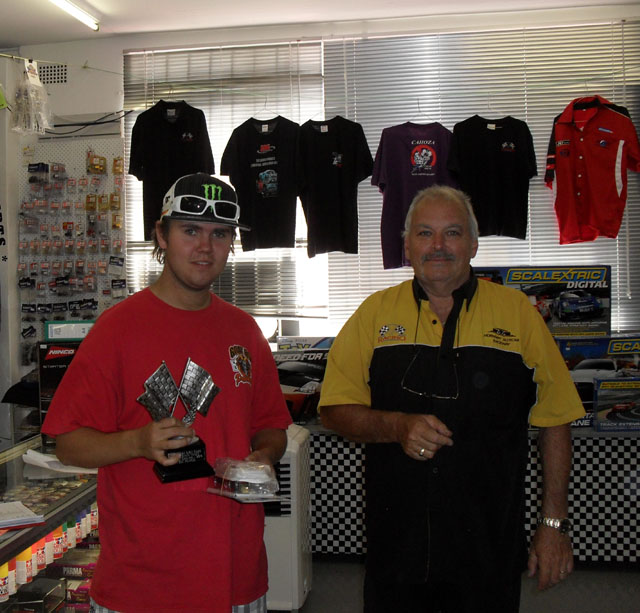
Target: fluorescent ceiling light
{"points": [[78, 13]]}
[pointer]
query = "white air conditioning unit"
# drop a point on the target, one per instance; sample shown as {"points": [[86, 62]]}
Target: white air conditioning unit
{"points": [[288, 523]]}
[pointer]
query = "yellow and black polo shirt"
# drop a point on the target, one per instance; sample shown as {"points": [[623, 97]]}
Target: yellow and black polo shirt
{"points": [[488, 371]]}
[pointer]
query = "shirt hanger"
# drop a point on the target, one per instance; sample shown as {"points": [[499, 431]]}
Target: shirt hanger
{"points": [[421, 116], [265, 113]]}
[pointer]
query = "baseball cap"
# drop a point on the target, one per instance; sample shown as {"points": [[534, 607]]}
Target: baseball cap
{"points": [[201, 197]]}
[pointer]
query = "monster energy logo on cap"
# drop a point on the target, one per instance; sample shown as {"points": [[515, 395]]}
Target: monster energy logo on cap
{"points": [[203, 197], [212, 191]]}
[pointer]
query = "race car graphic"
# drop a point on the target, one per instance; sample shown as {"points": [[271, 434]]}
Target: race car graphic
{"points": [[576, 304], [267, 183]]}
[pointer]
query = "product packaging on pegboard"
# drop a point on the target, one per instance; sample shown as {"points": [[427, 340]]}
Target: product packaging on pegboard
{"points": [[72, 234]]}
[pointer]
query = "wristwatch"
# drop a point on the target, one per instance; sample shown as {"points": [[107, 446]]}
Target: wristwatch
{"points": [[562, 525]]}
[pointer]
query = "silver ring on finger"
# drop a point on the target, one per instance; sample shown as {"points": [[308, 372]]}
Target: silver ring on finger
{"points": [[421, 452]]}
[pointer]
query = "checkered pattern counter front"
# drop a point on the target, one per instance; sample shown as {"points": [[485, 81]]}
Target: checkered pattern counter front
{"points": [[603, 495]]}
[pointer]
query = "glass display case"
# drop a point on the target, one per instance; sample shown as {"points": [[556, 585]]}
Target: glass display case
{"points": [[56, 496]]}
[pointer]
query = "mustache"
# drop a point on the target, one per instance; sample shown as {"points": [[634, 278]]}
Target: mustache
{"points": [[437, 255]]}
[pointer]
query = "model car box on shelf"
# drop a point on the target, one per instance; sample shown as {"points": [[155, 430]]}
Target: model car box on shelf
{"points": [[573, 300], [617, 404], [589, 359], [301, 373], [304, 342], [75, 564], [53, 360]]}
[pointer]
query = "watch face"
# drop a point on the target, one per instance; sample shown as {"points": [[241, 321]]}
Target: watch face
{"points": [[565, 526]]}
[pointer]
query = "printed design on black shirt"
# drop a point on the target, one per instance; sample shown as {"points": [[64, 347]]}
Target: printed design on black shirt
{"points": [[267, 183], [336, 159], [423, 159], [266, 148], [392, 332], [502, 337], [240, 360], [187, 137], [508, 147]]}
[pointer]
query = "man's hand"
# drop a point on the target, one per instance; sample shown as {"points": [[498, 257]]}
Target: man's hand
{"points": [[551, 556], [421, 436], [157, 436]]}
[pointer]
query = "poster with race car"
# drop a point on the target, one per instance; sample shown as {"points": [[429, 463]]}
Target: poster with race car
{"points": [[589, 359], [617, 404], [573, 300], [301, 373]]}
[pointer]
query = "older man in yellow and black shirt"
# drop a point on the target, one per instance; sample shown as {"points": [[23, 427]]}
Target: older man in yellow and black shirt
{"points": [[440, 377]]}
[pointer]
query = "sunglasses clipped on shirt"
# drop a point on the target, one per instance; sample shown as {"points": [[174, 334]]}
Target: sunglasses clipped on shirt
{"points": [[195, 205]]}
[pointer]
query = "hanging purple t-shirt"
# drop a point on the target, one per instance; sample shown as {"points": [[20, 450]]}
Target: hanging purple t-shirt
{"points": [[410, 157]]}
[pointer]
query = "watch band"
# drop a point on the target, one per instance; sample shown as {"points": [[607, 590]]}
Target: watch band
{"points": [[561, 524]]}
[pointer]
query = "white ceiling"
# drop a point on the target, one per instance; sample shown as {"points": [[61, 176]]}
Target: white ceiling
{"points": [[29, 22]]}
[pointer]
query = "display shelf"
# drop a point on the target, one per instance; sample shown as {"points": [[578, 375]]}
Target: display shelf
{"points": [[77, 492]]}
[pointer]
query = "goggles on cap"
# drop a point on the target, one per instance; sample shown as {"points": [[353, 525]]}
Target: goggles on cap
{"points": [[196, 205]]}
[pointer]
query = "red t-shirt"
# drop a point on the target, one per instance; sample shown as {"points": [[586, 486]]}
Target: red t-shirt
{"points": [[173, 546]]}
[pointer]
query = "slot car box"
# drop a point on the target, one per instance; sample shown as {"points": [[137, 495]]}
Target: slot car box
{"points": [[589, 359], [284, 343], [54, 358], [301, 373], [617, 404], [573, 300]]}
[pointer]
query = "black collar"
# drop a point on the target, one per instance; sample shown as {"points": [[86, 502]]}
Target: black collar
{"points": [[466, 290]]}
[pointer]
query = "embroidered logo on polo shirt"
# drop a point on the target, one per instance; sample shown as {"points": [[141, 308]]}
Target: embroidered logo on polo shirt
{"points": [[502, 337], [392, 332], [240, 360], [508, 147]]}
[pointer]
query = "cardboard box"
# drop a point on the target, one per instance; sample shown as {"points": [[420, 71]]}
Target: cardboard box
{"points": [[617, 404], [301, 373], [53, 360], [78, 590], [589, 359], [573, 300], [75, 564], [288, 343]]}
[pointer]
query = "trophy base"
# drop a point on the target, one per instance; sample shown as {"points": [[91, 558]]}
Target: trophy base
{"points": [[192, 465]]}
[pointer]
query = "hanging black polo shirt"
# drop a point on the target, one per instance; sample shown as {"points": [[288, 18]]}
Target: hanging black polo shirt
{"points": [[168, 141]]}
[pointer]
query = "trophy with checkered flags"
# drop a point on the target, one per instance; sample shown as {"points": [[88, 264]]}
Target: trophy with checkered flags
{"points": [[197, 391]]}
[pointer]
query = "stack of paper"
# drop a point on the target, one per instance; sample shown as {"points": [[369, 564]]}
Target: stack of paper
{"points": [[16, 515]]}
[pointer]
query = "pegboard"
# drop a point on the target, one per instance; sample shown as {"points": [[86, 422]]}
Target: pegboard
{"points": [[71, 234]]}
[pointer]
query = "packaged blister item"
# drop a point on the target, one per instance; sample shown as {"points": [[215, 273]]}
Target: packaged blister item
{"points": [[243, 480]]}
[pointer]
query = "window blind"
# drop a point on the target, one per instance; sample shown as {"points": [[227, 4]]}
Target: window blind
{"points": [[529, 74], [230, 84]]}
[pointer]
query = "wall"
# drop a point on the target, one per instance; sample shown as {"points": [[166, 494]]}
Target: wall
{"points": [[94, 86], [95, 66], [9, 145]]}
